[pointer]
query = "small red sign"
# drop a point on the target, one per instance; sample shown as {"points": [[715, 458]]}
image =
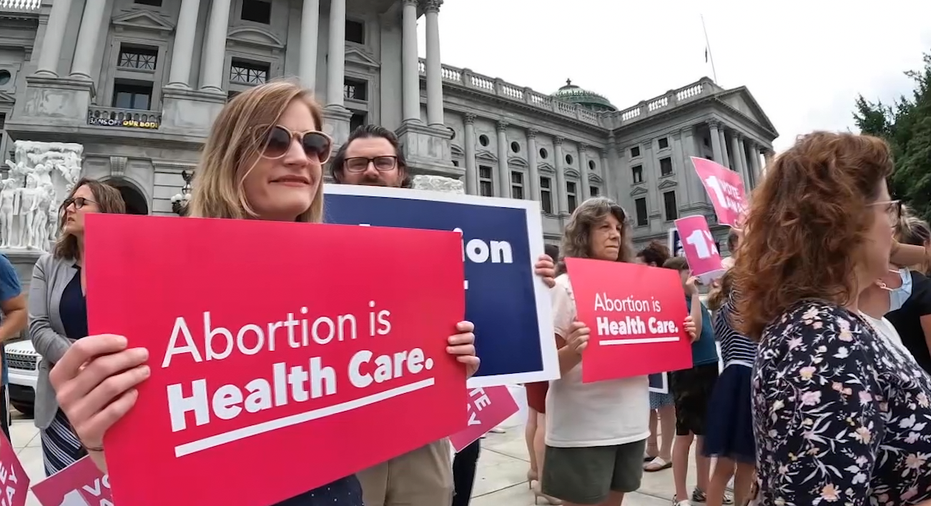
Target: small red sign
{"points": [[700, 248], [488, 407], [636, 315], [726, 189], [78, 484], [285, 342], [14, 483]]}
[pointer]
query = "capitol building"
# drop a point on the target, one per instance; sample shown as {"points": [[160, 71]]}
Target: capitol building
{"points": [[137, 83]]}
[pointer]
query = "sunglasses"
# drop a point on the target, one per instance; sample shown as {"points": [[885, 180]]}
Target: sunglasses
{"points": [[278, 141], [78, 202]]}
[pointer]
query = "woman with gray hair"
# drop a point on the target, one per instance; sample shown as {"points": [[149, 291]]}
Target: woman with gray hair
{"points": [[595, 432]]}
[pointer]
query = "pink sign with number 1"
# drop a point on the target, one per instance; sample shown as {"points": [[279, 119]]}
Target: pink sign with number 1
{"points": [[726, 189], [700, 248]]}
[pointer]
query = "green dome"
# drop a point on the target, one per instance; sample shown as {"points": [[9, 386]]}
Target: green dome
{"points": [[588, 99]]}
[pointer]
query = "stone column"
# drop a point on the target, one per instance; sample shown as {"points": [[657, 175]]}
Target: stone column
{"points": [[561, 196], [179, 75], [410, 73], [504, 173], [735, 153], [606, 176], [471, 171], [755, 162], [434, 65], [768, 155], [336, 60], [310, 24], [681, 165], [724, 156], [613, 177], [583, 173], [688, 151], [54, 38], [532, 161], [744, 167], [211, 78], [716, 141], [88, 36]]}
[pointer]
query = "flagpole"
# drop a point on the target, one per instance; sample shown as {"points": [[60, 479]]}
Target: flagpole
{"points": [[714, 73]]}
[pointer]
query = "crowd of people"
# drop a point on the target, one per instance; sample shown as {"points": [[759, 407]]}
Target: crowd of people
{"points": [[820, 393]]}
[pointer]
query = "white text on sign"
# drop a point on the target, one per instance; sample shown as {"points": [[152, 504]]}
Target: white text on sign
{"points": [[629, 327], [478, 402], [726, 194], [202, 401], [8, 481], [703, 243]]}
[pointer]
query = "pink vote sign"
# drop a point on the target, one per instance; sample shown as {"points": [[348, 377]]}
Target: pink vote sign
{"points": [[79, 484], [14, 484], [726, 189], [700, 248], [488, 407]]}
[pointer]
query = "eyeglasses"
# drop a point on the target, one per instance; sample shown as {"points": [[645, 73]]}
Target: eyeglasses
{"points": [[78, 202], [361, 163], [278, 141], [892, 208]]}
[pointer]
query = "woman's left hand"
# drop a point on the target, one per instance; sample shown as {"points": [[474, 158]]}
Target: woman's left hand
{"points": [[690, 328], [546, 269], [462, 346]]}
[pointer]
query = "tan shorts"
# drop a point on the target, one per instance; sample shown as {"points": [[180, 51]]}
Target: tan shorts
{"points": [[423, 477]]}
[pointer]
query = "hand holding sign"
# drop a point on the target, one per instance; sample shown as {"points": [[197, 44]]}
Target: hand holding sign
{"points": [[726, 189], [577, 340], [700, 248]]}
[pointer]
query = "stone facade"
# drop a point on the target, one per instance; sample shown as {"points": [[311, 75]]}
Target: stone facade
{"points": [[138, 83]]}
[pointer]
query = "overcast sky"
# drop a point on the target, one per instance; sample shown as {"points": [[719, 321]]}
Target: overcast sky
{"points": [[803, 61]]}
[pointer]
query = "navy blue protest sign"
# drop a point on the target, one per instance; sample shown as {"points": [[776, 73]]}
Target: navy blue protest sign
{"points": [[659, 383], [502, 240]]}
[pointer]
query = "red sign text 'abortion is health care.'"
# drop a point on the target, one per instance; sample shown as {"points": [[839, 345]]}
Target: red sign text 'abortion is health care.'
{"points": [[726, 189], [79, 484], [284, 356], [636, 315], [488, 407]]}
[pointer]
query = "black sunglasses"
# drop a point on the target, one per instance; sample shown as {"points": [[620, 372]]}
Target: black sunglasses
{"points": [[78, 202], [278, 141]]}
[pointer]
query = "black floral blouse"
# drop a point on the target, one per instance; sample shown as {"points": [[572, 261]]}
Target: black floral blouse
{"points": [[841, 416]]}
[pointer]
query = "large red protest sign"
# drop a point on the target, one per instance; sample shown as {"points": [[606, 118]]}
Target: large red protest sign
{"points": [[635, 314], [726, 189], [487, 408], [700, 248], [76, 485], [14, 483], [284, 356]]}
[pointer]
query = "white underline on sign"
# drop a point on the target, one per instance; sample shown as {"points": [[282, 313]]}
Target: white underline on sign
{"points": [[642, 340], [280, 423]]}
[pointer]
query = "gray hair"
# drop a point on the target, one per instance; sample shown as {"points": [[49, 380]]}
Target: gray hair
{"points": [[576, 238]]}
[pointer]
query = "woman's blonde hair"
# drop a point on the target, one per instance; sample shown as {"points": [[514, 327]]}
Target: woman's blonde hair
{"points": [[234, 146], [576, 239], [108, 200]]}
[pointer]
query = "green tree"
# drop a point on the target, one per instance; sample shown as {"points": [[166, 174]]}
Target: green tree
{"points": [[906, 125]]}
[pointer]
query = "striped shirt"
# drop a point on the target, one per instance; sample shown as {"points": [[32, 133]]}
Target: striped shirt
{"points": [[734, 346]]}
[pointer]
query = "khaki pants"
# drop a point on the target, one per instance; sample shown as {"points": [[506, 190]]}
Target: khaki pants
{"points": [[423, 477]]}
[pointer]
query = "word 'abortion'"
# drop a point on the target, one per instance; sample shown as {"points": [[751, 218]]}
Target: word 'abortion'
{"points": [[250, 339], [631, 325]]}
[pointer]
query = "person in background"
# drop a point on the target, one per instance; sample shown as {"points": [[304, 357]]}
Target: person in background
{"points": [[691, 390], [58, 313], [729, 425], [837, 409], [262, 160], [372, 156], [662, 408], [535, 430], [595, 432], [15, 317], [912, 317]]}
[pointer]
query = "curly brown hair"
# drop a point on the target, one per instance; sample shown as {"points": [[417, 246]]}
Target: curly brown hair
{"points": [[806, 225], [576, 237], [655, 254]]}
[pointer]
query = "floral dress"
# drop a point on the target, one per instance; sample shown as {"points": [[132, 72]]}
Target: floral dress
{"points": [[840, 415]]}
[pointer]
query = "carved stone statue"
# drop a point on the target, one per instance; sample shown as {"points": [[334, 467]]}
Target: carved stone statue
{"points": [[9, 203], [40, 177]]}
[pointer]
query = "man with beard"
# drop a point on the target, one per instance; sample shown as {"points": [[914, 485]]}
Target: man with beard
{"points": [[423, 477]]}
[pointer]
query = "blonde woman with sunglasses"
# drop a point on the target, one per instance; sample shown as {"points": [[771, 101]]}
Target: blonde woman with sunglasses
{"points": [[263, 160]]}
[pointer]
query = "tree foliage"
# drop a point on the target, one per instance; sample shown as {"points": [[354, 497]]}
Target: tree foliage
{"points": [[906, 125]]}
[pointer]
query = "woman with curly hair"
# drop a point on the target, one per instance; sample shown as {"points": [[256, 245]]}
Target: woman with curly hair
{"points": [[595, 432], [838, 412]]}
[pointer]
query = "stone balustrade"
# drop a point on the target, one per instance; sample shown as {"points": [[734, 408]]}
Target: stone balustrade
{"points": [[498, 87], [114, 117], [20, 5]]}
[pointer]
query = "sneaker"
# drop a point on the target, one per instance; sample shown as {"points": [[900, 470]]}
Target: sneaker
{"points": [[676, 502]]}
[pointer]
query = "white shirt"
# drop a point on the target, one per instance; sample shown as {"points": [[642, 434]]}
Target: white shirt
{"points": [[604, 413], [886, 331]]}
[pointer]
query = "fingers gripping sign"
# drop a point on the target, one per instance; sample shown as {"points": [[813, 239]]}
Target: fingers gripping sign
{"points": [[577, 340]]}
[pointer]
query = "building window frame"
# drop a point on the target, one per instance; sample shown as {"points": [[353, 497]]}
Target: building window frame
{"points": [[518, 182], [275, 65], [672, 168], [642, 216], [661, 141], [594, 190], [486, 181], [572, 194], [670, 210], [111, 59], [636, 174], [365, 34], [546, 194]]}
